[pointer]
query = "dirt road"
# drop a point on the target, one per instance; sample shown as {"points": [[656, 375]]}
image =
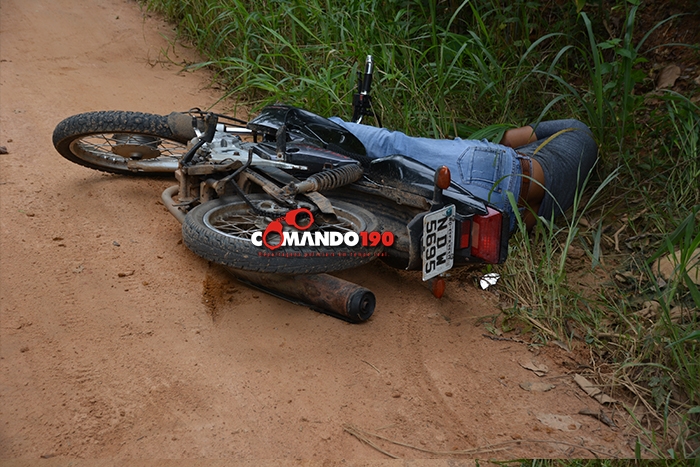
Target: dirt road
{"points": [[117, 342]]}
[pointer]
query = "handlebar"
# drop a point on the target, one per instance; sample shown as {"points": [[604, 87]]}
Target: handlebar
{"points": [[366, 83], [210, 120], [362, 101]]}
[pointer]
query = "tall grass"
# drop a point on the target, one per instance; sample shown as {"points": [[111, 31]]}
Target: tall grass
{"points": [[436, 77], [538, 277], [473, 68]]}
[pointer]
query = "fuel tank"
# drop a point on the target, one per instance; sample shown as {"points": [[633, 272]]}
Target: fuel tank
{"points": [[308, 128]]}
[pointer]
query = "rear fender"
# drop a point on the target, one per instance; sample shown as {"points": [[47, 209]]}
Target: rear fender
{"points": [[415, 177]]}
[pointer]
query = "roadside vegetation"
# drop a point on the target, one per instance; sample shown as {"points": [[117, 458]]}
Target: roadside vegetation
{"points": [[474, 69]]}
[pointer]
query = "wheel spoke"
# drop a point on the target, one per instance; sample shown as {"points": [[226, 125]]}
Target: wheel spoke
{"points": [[97, 148], [240, 221], [104, 148], [235, 224]]}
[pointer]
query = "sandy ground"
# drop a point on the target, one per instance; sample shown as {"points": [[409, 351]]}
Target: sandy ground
{"points": [[117, 342]]}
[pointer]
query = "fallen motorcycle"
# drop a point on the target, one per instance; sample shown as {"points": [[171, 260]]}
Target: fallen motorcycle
{"points": [[289, 196]]}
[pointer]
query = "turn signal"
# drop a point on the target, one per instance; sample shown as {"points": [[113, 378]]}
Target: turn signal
{"points": [[443, 178], [436, 285]]}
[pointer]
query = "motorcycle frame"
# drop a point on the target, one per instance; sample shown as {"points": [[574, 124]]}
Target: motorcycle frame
{"points": [[201, 180]]}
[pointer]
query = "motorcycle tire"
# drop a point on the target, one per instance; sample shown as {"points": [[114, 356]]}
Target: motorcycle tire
{"points": [[108, 140], [220, 231]]}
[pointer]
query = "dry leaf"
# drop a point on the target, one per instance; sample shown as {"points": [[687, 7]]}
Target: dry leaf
{"points": [[666, 266], [593, 391], [561, 345], [559, 422], [677, 313], [650, 310], [539, 370], [668, 76]]}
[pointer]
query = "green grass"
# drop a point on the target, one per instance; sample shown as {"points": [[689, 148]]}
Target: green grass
{"points": [[474, 68], [436, 76]]}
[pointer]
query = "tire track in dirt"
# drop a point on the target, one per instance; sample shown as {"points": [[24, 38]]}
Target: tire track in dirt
{"points": [[435, 425], [70, 316]]}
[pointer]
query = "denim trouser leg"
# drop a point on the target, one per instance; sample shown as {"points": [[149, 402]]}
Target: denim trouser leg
{"points": [[485, 169]]}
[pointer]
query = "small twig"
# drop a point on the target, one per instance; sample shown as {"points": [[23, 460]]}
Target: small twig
{"points": [[609, 335], [363, 439], [377, 369], [363, 436], [509, 339], [617, 237], [600, 416], [635, 390], [386, 427]]}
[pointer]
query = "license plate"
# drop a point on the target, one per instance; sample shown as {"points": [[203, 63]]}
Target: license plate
{"points": [[438, 241]]}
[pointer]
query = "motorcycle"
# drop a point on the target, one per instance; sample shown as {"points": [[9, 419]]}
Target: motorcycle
{"points": [[290, 196]]}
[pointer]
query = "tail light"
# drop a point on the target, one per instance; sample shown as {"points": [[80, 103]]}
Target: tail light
{"points": [[486, 236]]}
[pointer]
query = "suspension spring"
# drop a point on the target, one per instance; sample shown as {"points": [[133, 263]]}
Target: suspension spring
{"points": [[330, 179]]}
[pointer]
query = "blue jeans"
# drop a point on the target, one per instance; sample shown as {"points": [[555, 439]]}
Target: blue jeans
{"points": [[487, 170], [565, 149]]}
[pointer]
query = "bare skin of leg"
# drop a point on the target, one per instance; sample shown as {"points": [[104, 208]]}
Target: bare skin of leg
{"points": [[514, 138]]}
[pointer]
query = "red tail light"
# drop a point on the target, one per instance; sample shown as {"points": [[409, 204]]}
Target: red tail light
{"points": [[465, 232], [486, 236]]}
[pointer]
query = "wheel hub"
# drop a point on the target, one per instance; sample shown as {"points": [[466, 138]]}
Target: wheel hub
{"points": [[136, 146]]}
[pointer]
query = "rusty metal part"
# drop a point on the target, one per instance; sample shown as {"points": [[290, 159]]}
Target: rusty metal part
{"points": [[322, 202], [326, 180], [169, 202], [399, 196], [267, 186], [321, 292], [211, 168], [284, 198], [188, 189]]}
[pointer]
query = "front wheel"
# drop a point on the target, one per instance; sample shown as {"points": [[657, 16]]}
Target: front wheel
{"points": [[222, 231], [120, 142]]}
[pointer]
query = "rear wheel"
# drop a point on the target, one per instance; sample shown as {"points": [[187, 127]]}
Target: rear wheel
{"points": [[222, 231], [110, 140]]}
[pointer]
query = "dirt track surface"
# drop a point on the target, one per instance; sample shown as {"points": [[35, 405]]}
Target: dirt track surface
{"points": [[117, 342]]}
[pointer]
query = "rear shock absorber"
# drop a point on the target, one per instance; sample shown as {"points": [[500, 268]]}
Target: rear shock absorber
{"points": [[326, 180]]}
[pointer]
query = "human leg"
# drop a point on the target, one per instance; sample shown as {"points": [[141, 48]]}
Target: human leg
{"points": [[566, 152]]}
